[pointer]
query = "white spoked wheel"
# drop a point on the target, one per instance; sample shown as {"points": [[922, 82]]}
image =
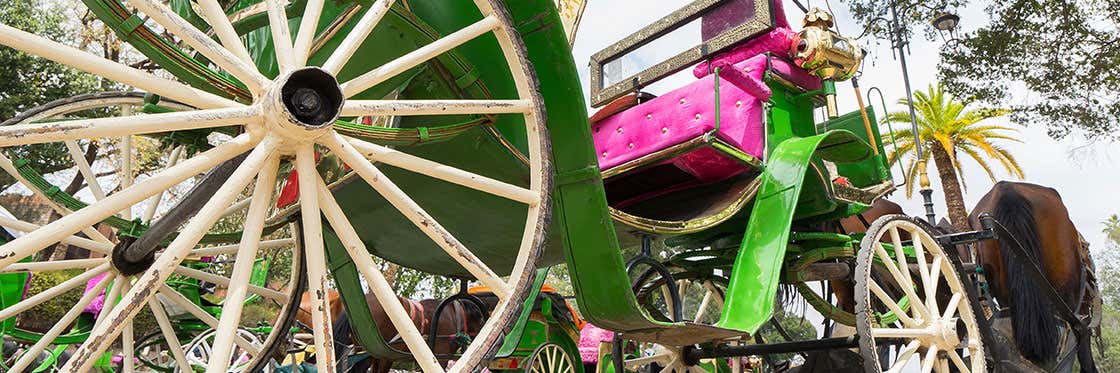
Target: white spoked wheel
{"points": [[200, 352], [551, 358], [287, 121], [915, 314], [702, 297], [91, 170]]}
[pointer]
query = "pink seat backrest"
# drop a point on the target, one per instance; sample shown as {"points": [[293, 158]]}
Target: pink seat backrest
{"points": [[734, 13], [688, 112]]}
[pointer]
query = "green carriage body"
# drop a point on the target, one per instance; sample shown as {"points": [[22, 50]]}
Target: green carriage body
{"points": [[582, 233], [795, 186]]}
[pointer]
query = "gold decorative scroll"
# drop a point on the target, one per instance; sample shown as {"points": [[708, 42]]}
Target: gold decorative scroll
{"points": [[571, 11]]}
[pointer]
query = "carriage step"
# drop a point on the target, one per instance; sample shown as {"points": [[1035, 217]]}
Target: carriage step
{"points": [[686, 334]]}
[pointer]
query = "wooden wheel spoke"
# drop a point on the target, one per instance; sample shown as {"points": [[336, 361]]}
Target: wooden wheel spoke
{"points": [[281, 36], [416, 214], [898, 333], [308, 26], [667, 297], [443, 172], [900, 257], [355, 108], [87, 217], [226, 281], [180, 300], [216, 17], [931, 281], [169, 335], [951, 307], [112, 297], [10, 168], [154, 201], [52, 293], [38, 133], [929, 359], [958, 361], [891, 304], [233, 249], [703, 306], [316, 263], [904, 356], [79, 157], [85, 243], [915, 301], [128, 340], [243, 70], [54, 265], [357, 35], [115, 71], [414, 58], [377, 283]]}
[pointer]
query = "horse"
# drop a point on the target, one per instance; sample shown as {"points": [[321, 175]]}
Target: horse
{"points": [[1036, 217], [459, 318]]}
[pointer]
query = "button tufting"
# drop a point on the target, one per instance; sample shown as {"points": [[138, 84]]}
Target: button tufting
{"points": [[619, 129], [631, 146], [682, 101], [664, 130], [649, 116], [738, 104], [697, 116], [604, 154]]}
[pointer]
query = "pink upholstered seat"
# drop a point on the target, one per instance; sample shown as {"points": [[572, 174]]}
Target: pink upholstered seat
{"points": [[689, 112]]}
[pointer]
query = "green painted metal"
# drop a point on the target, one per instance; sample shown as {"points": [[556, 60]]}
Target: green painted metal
{"points": [[756, 275], [354, 301], [517, 332]]}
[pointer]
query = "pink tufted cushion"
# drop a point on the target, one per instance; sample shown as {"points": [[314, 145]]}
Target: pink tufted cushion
{"points": [[689, 112]]}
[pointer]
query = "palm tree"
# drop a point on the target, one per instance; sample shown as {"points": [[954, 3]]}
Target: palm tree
{"points": [[947, 129]]}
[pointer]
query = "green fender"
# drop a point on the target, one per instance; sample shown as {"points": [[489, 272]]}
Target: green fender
{"points": [[755, 275]]}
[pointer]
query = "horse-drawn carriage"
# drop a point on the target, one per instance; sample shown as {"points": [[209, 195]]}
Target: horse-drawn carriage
{"points": [[451, 138]]}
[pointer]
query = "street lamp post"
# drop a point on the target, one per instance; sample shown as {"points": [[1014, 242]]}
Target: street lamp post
{"points": [[943, 22]]}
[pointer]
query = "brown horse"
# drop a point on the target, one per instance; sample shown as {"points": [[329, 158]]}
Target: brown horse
{"points": [[459, 317], [1035, 216]]}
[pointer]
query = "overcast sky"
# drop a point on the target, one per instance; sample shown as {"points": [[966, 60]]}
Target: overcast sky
{"points": [[1087, 176]]}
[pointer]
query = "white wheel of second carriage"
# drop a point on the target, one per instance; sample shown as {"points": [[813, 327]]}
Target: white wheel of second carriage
{"points": [[290, 119], [550, 358], [935, 328]]}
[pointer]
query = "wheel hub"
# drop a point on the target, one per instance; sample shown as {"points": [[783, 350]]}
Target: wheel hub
{"points": [[303, 103], [945, 333]]}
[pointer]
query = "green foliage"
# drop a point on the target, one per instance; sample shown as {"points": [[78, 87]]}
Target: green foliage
{"points": [[45, 315], [947, 123], [798, 327], [27, 81], [1051, 61], [1107, 260]]}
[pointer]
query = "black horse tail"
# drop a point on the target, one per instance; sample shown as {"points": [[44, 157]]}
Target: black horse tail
{"points": [[1036, 333]]}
